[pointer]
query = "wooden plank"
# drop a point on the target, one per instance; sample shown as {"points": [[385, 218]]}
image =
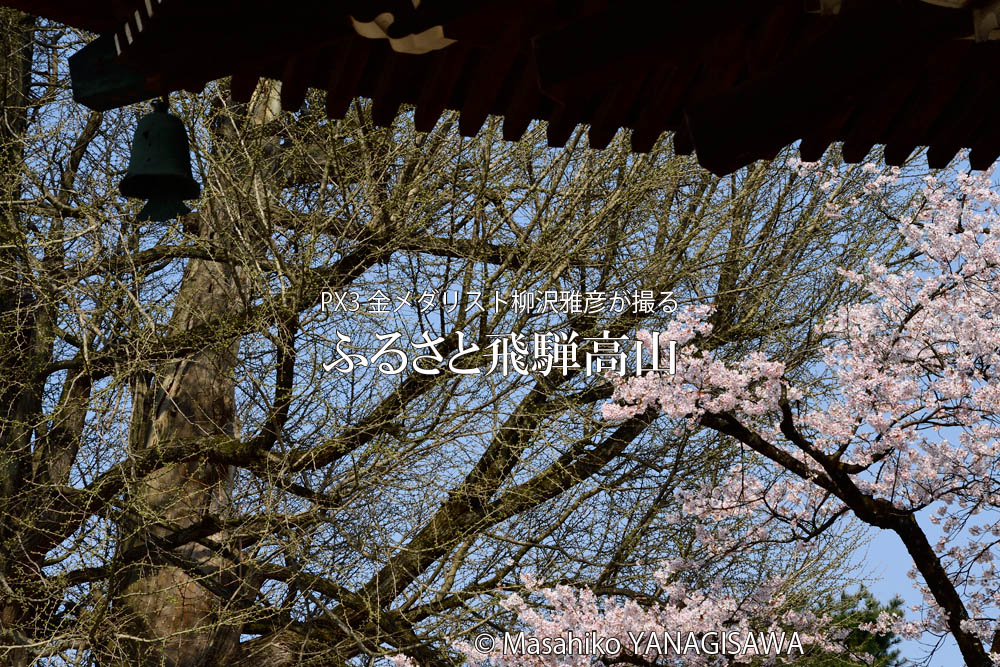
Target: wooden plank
{"points": [[876, 113], [662, 94], [945, 74], [492, 66], [587, 56], [773, 35], [438, 84], [683, 141], [722, 62], [294, 77], [985, 141], [611, 112], [101, 81], [786, 103], [525, 101], [561, 124], [786, 71], [242, 85], [986, 149], [343, 82], [953, 129], [816, 142], [388, 78]]}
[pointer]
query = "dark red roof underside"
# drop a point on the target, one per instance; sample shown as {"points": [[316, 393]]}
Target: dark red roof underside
{"points": [[734, 80]]}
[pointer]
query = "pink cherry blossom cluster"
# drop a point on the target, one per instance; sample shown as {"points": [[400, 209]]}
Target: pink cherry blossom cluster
{"points": [[905, 418], [913, 415], [703, 383], [686, 611]]}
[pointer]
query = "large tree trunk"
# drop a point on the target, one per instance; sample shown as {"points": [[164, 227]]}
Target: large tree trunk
{"points": [[188, 398], [188, 610], [20, 393]]}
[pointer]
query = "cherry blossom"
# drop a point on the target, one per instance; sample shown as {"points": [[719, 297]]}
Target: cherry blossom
{"points": [[901, 417], [698, 627], [910, 420]]}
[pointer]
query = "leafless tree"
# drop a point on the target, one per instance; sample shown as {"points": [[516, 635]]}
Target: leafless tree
{"points": [[190, 477]]}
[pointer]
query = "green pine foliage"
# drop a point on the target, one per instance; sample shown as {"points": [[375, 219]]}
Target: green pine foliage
{"points": [[850, 611]]}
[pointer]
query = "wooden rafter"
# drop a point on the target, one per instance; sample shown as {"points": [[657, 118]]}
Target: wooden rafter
{"points": [[734, 80]]}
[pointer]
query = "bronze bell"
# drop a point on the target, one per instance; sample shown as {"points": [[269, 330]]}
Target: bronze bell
{"points": [[160, 166]]}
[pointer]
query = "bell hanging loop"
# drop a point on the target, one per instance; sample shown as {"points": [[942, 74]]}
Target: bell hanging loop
{"points": [[159, 168]]}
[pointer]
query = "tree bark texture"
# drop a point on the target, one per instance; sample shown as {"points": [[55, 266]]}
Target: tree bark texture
{"points": [[190, 397], [21, 343]]}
